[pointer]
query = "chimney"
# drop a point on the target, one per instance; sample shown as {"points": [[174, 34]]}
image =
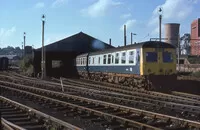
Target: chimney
{"points": [[124, 35], [110, 42]]}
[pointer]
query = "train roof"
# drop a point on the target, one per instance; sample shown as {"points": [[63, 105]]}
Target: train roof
{"points": [[146, 44]]}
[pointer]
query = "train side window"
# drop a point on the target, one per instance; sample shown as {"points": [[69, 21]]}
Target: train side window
{"points": [[167, 57], [131, 57], [151, 56], [112, 59], [104, 59], [84, 61], [89, 60], [123, 58], [99, 60], [109, 58], [117, 58], [93, 60]]}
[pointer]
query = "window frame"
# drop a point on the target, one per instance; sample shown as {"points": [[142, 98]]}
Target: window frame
{"points": [[132, 56], [104, 59], [171, 56], [109, 59], [154, 61], [117, 58], [123, 52]]}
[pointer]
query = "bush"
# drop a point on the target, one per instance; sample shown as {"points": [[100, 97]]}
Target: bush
{"points": [[196, 74], [26, 65]]}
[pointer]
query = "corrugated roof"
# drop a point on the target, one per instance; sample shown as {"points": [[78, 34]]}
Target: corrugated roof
{"points": [[79, 42]]}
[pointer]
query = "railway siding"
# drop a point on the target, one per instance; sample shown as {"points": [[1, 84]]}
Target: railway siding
{"points": [[23, 117], [114, 106]]}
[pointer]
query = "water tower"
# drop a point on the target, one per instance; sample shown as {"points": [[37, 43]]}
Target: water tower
{"points": [[172, 33]]}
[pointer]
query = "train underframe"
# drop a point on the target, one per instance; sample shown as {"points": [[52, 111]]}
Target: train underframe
{"points": [[150, 82]]}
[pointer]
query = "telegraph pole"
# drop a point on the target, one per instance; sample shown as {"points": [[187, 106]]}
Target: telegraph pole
{"points": [[124, 35], [178, 52], [24, 42], [22, 50], [132, 37], [160, 23], [43, 68]]}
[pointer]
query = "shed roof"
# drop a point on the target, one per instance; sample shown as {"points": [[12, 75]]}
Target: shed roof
{"points": [[79, 42]]}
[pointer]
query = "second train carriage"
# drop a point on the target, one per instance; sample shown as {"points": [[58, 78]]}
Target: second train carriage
{"points": [[149, 65]]}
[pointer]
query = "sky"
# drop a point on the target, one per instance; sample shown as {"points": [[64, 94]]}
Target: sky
{"points": [[102, 19]]}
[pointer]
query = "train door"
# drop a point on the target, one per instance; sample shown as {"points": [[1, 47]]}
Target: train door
{"points": [[160, 63]]}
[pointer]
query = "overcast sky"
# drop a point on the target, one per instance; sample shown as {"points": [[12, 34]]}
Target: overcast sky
{"points": [[102, 19]]}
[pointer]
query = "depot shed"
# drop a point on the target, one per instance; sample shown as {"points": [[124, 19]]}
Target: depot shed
{"points": [[60, 55]]}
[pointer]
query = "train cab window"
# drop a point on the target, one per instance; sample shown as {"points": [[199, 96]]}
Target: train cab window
{"points": [[117, 58], [151, 56], [104, 59], [109, 58], [131, 57], [123, 58], [99, 60], [167, 57]]}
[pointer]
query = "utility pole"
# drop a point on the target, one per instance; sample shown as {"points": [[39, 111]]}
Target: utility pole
{"points": [[24, 42], [178, 52], [132, 37], [160, 23], [43, 68], [124, 35], [22, 50]]}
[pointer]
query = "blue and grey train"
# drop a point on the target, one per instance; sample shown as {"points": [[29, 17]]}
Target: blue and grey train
{"points": [[148, 65]]}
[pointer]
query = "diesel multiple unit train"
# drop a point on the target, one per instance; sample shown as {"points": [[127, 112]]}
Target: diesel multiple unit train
{"points": [[149, 65]]}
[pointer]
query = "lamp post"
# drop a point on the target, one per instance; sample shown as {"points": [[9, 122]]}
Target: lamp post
{"points": [[24, 42], [22, 50], [43, 68], [160, 11], [132, 37]]}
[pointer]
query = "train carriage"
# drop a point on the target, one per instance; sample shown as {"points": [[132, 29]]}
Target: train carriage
{"points": [[147, 65]]}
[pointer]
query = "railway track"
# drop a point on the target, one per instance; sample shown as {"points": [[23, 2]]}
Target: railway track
{"points": [[170, 108], [178, 96], [17, 116], [120, 90], [118, 112], [187, 95]]}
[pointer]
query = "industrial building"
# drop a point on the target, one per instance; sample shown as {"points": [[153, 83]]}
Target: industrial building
{"points": [[59, 56], [172, 33], [195, 37]]}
